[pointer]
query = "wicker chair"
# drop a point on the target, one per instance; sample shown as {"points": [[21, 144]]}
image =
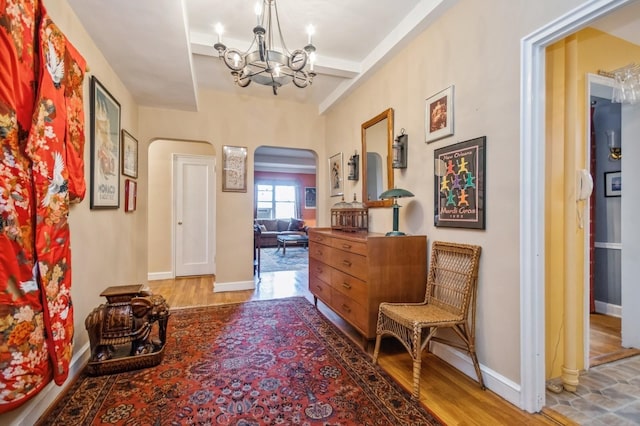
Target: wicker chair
{"points": [[449, 302]]}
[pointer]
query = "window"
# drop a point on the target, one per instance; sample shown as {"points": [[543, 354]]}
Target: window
{"points": [[276, 201]]}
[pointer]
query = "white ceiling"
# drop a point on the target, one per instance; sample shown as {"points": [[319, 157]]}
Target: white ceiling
{"points": [[163, 49]]}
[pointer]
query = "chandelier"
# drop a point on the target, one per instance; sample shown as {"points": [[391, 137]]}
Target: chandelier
{"points": [[266, 61]]}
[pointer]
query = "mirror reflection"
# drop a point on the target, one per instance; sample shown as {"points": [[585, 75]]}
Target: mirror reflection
{"points": [[377, 174]]}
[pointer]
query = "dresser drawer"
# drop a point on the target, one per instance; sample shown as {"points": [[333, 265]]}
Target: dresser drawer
{"points": [[319, 238], [350, 310], [320, 289], [351, 263], [320, 252], [319, 270], [349, 286], [350, 246]]}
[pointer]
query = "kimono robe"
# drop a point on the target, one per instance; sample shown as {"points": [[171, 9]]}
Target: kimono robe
{"points": [[41, 140]]}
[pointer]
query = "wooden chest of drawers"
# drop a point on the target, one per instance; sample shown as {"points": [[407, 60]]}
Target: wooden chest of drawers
{"points": [[352, 272]]}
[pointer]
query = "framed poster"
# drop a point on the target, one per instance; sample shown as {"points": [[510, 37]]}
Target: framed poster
{"points": [[459, 184], [439, 115], [613, 184], [105, 148], [234, 168], [336, 175], [129, 155], [130, 195], [310, 197]]}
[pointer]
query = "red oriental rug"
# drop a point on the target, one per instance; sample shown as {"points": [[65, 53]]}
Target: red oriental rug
{"points": [[256, 363]]}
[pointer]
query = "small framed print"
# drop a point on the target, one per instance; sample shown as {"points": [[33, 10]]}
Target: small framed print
{"points": [[336, 175], [613, 184], [234, 168], [130, 195], [439, 115], [129, 155], [310, 197]]}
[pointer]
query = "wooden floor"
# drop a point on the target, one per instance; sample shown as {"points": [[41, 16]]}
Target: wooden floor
{"points": [[452, 396], [605, 341]]}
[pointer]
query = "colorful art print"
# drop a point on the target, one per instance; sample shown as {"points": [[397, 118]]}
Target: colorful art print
{"points": [[234, 168], [439, 115], [105, 148], [460, 185]]}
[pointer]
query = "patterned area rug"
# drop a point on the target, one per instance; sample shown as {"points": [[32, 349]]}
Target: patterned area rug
{"points": [[256, 363], [295, 259]]}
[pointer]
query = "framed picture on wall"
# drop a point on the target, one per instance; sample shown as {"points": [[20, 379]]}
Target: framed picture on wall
{"points": [[336, 175], [234, 168], [613, 184], [310, 197], [439, 115], [459, 184], [130, 195], [105, 148], [129, 155]]}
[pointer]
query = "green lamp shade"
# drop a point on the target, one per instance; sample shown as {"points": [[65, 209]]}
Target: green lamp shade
{"points": [[395, 193]]}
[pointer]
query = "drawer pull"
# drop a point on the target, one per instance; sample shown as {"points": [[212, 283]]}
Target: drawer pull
{"points": [[346, 246], [346, 263], [346, 285], [346, 308], [319, 270]]}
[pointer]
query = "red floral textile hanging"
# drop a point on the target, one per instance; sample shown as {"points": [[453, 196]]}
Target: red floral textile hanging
{"points": [[41, 152]]}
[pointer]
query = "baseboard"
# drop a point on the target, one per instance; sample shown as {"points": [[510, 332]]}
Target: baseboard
{"points": [[31, 411], [234, 286], [608, 309], [154, 276], [498, 384]]}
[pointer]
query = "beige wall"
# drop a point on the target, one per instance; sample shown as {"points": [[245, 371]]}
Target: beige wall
{"points": [[478, 51], [228, 119]]}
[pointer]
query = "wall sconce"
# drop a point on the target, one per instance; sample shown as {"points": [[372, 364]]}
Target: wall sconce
{"points": [[352, 165], [399, 148], [615, 150]]}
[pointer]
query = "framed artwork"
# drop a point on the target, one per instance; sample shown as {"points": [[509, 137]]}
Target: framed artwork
{"points": [[310, 197], [130, 195], [105, 148], [336, 175], [234, 168], [439, 115], [613, 184], [459, 184], [129, 155]]}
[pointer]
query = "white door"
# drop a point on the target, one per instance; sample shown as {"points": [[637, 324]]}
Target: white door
{"points": [[194, 214]]}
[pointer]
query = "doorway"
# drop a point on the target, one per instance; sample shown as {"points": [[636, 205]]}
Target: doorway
{"points": [[285, 183]]}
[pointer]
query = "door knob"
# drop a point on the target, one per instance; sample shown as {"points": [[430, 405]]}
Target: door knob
{"points": [[180, 223]]}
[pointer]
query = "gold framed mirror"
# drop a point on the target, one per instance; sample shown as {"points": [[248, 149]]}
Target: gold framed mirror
{"points": [[377, 173]]}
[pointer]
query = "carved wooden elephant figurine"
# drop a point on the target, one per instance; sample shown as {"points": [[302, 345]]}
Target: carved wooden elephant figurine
{"points": [[127, 322]]}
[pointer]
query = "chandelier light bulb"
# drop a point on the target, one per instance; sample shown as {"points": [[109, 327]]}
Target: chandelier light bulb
{"points": [[236, 59], [312, 60], [219, 31], [310, 32], [277, 70], [258, 10]]}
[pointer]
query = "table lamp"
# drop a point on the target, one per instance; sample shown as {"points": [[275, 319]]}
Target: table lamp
{"points": [[395, 193]]}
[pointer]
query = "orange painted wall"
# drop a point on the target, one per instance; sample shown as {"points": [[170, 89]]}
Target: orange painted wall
{"points": [[303, 180]]}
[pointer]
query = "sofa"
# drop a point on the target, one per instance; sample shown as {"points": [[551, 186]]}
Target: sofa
{"points": [[270, 229]]}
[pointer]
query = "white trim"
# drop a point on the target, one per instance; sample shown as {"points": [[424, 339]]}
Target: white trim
{"points": [[507, 389], [39, 404], [234, 286], [532, 182], [154, 276], [608, 309], [610, 246]]}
